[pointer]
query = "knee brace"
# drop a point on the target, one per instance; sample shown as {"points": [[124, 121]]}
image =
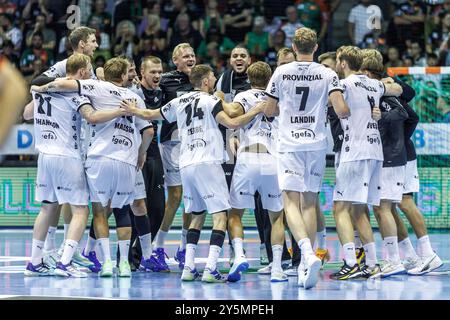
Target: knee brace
{"points": [[122, 217]]}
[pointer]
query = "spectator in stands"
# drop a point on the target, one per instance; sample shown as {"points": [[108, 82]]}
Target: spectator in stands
{"points": [[99, 62], [277, 7], [37, 69], [128, 10], [257, 41], [35, 52], [440, 33], [8, 52], [273, 24], [225, 45], [417, 55], [183, 32], [126, 42], [32, 9], [173, 8], [238, 19], [214, 58], [314, 14], [153, 35], [408, 61], [278, 40], [153, 7], [49, 34], [101, 17], [363, 19], [291, 25], [58, 13], [103, 40], [444, 53], [409, 21], [7, 7], [211, 19], [393, 56], [9, 32]]}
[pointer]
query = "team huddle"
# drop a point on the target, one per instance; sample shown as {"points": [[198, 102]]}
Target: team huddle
{"points": [[93, 136]]}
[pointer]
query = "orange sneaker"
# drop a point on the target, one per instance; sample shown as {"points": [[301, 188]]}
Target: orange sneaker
{"points": [[323, 255]]}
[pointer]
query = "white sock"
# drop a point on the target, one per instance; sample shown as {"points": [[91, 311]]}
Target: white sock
{"points": [[349, 254], [90, 245], [305, 246], [371, 254], [424, 245], [105, 249], [66, 229], [358, 243], [183, 239], [190, 255], [238, 247], [146, 245], [406, 249], [214, 252], [159, 239], [391, 246], [50, 244], [124, 249], [277, 252], [69, 249], [99, 251], [37, 248], [322, 239]]}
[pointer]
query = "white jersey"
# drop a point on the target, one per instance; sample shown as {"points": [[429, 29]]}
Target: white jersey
{"points": [[58, 70], [261, 129], [119, 138], [362, 139], [57, 123], [302, 90], [201, 141]]}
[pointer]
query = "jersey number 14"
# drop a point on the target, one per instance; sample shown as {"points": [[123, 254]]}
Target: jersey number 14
{"points": [[198, 112]]}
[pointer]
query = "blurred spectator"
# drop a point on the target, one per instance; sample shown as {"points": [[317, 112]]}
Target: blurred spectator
{"points": [[440, 33], [409, 21], [184, 32], [99, 62], [104, 41], [432, 60], [444, 53], [417, 55], [314, 14], [291, 25], [32, 10], [214, 58], [173, 8], [49, 34], [225, 45], [363, 19], [128, 10], [35, 52], [152, 41], [277, 7], [100, 17], [7, 7], [64, 49], [238, 19], [278, 40], [257, 41], [57, 11], [38, 68], [126, 42], [154, 8], [8, 51], [393, 57], [9, 32], [212, 19], [273, 24], [408, 61]]}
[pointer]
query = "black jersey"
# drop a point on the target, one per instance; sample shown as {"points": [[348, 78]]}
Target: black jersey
{"points": [[173, 84], [336, 129], [153, 100], [410, 126]]}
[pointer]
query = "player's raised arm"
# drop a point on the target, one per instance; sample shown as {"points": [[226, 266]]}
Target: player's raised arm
{"points": [[94, 116], [147, 114], [235, 123], [59, 85], [340, 106]]}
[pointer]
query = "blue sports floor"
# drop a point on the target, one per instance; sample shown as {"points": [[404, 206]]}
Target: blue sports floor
{"points": [[15, 246]]}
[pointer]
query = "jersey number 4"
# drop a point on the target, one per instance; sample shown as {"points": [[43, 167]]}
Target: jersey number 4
{"points": [[42, 100], [304, 91], [198, 112]]}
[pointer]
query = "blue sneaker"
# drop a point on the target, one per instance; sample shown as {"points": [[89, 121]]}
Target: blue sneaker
{"points": [[161, 257], [97, 266], [150, 264], [213, 276], [240, 265], [180, 258], [39, 270], [68, 270]]}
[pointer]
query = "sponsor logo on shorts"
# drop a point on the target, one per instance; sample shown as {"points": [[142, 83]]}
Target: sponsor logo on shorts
{"points": [[341, 193], [63, 188], [188, 197], [48, 135], [303, 133], [122, 141], [41, 185], [139, 184], [208, 196], [400, 184], [295, 173], [172, 170], [246, 193], [274, 196], [126, 193], [101, 192], [196, 143], [315, 174]]}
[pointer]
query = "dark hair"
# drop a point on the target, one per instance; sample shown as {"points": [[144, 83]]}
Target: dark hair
{"points": [[198, 73]]}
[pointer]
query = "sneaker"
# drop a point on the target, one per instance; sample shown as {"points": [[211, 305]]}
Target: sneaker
{"points": [[312, 268], [263, 258], [231, 260], [346, 272], [390, 269], [189, 274], [427, 264], [124, 269], [161, 257], [40, 270], [212, 276], [265, 270], [323, 255], [360, 256], [81, 260], [180, 258], [240, 265], [96, 266], [411, 263], [150, 264], [301, 274], [68, 270], [370, 272], [291, 271], [107, 269], [278, 276], [51, 258]]}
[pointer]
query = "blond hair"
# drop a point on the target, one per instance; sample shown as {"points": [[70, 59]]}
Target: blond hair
{"points": [[374, 66], [177, 50], [369, 53], [147, 59], [327, 55], [198, 73], [76, 62], [284, 52], [305, 40], [115, 68], [352, 55], [259, 74]]}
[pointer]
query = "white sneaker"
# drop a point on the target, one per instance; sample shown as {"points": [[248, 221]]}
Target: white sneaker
{"points": [[278, 276], [411, 263], [301, 274], [312, 269], [390, 269], [51, 258], [240, 265], [426, 264], [266, 269], [291, 271], [69, 270]]}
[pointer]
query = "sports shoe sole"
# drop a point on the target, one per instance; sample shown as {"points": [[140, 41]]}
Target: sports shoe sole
{"points": [[278, 280], [311, 279], [35, 274], [236, 275], [395, 273], [426, 271]]}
